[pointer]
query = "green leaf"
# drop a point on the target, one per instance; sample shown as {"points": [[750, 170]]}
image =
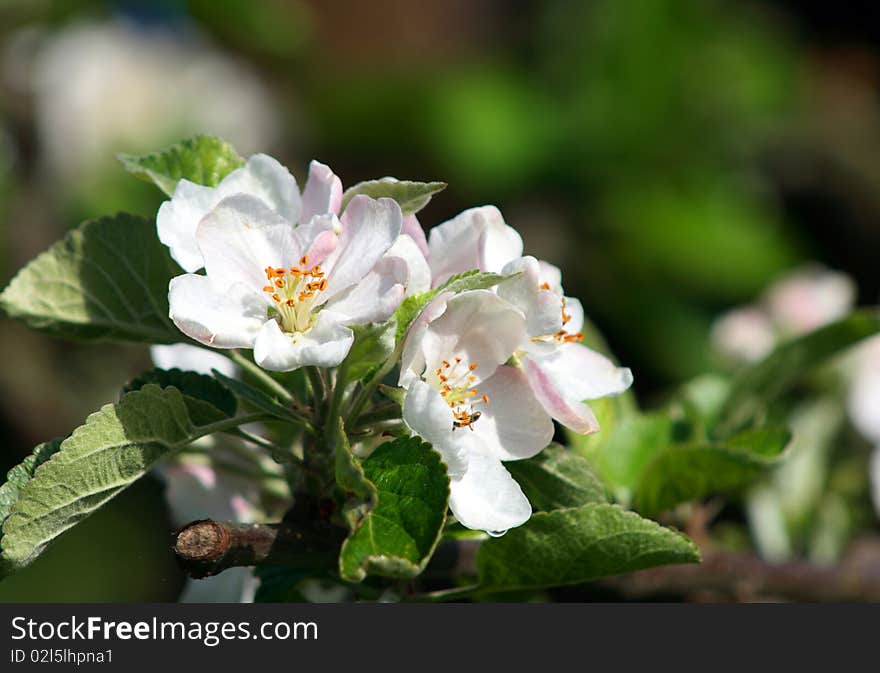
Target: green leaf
{"points": [[21, 474], [628, 447], [462, 282], [205, 160], [398, 536], [683, 472], [761, 383], [411, 196], [373, 344], [207, 399], [359, 493], [257, 398], [116, 446], [580, 544], [557, 478], [107, 279]]}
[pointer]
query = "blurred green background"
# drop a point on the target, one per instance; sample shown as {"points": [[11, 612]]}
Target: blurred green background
{"points": [[672, 156]]}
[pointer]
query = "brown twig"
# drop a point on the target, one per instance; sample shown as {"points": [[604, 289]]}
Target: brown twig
{"points": [[746, 577], [204, 548]]}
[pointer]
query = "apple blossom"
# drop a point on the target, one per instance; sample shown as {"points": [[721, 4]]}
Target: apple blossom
{"points": [[561, 371], [475, 410], [290, 292], [191, 358], [795, 304], [477, 238]]}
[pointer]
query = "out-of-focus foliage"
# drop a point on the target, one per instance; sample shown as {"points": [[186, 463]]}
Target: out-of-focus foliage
{"points": [[673, 157]]}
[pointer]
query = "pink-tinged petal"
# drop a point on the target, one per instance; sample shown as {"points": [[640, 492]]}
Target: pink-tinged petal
{"points": [[412, 361], [513, 425], [369, 229], [580, 373], [487, 497], [178, 218], [240, 237], [809, 298], [191, 358], [322, 193], [266, 179], [428, 416], [571, 413], [375, 298], [477, 238], [324, 345], [541, 307], [479, 327], [221, 317], [418, 273], [744, 335], [413, 229]]}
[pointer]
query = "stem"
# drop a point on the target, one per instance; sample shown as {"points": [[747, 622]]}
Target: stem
{"points": [[331, 425], [268, 382], [229, 424], [205, 548], [361, 400], [319, 389], [387, 412]]}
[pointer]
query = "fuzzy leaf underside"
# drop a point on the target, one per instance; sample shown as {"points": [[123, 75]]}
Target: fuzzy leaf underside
{"points": [[205, 160], [107, 279], [116, 446], [411, 196]]}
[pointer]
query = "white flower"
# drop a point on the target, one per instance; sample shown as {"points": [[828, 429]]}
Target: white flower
{"points": [[795, 304], [289, 292], [477, 238], [864, 391], [561, 371], [744, 334], [475, 410], [266, 179], [102, 88]]}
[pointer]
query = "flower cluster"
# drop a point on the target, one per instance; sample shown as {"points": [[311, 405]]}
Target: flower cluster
{"points": [[483, 372]]}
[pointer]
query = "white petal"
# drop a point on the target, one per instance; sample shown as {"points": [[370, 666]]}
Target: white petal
{"points": [[412, 361], [487, 497], [178, 218], [322, 193], [809, 298], [575, 311], [428, 416], [413, 229], [551, 275], [418, 273], [864, 394], [454, 245], [477, 326], [572, 413], [222, 317], [542, 308], [241, 236], [500, 243], [580, 373], [191, 358], [369, 229], [325, 345], [513, 424], [744, 334], [376, 297], [266, 179]]}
